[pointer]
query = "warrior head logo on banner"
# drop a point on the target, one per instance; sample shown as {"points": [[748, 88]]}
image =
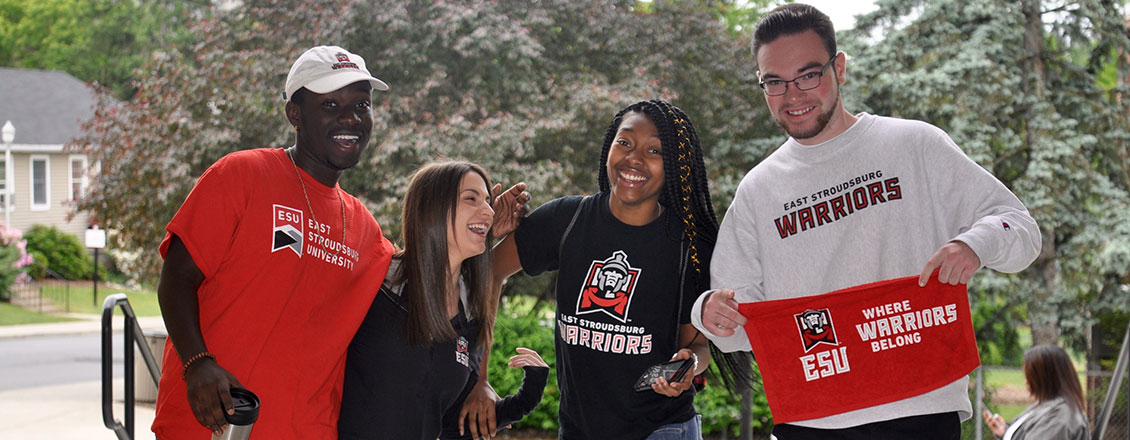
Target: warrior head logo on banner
{"points": [[608, 287], [815, 328]]}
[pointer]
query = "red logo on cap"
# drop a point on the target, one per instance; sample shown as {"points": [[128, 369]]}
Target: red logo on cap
{"points": [[344, 63]]}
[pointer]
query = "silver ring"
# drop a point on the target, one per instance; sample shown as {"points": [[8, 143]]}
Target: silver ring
{"points": [[720, 326]]}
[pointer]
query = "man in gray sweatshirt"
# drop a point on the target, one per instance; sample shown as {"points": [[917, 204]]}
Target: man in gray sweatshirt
{"points": [[849, 200]]}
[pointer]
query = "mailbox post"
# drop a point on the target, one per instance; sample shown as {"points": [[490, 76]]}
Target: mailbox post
{"points": [[95, 239]]}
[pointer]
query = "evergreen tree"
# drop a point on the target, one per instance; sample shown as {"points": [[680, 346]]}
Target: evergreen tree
{"points": [[1019, 86]]}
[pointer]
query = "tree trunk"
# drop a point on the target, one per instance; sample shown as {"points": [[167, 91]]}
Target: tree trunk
{"points": [[1045, 329], [1043, 320], [1034, 47]]}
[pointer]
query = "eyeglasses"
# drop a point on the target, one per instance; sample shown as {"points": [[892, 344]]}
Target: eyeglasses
{"points": [[808, 81]]}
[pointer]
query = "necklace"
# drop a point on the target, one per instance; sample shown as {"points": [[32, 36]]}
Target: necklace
{"points": [[290, 154]]}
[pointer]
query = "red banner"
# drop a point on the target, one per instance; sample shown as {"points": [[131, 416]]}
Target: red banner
{"points": [[859, 347]]}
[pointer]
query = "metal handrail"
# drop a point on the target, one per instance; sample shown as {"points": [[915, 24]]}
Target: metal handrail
{"points": [[129, 337], [1120, 369]]}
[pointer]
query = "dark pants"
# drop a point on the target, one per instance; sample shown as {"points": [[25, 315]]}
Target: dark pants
{"points": [[944, 426]]}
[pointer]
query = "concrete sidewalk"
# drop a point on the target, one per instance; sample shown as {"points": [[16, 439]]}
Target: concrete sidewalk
{"points": [[70, 411], [66, 412]]}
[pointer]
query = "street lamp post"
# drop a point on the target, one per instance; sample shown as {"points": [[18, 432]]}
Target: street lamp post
{"points": [[9, 135]]}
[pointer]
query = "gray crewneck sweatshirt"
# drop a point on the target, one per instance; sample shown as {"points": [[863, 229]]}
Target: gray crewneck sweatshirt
{"points": [[871, 204]]}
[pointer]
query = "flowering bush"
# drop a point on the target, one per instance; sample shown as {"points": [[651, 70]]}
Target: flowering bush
{"points": [[13, 259]]}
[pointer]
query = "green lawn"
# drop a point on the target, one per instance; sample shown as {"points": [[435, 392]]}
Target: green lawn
{"points": [[77, 298], [1009, 411], [13, 315], [997, 378]]}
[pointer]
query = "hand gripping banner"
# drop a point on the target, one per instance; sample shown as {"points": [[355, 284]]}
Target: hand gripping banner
{"points": [[859, 347]]}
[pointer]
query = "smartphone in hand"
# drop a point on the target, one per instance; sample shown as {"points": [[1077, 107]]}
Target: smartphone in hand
{"points": [[673, 371]]}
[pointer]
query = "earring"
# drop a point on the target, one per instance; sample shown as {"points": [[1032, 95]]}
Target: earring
{"points": [[296, 129]]}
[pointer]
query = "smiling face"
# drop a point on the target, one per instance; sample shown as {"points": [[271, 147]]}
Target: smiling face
{"points": [[635, 165], [471, 219], [333, 129], [810, 116]]}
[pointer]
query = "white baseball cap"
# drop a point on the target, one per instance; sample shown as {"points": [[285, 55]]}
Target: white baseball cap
{"points": [[324, 69]]}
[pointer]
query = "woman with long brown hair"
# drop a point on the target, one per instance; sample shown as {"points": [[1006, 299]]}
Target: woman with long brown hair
{"points": [[420, 341], [1058, 412]]}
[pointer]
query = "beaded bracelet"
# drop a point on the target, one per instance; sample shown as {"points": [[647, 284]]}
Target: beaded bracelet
{"points": [[194, 358]]}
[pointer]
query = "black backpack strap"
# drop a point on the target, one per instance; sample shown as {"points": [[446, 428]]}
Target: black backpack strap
{"points": [[577, 213], [684, 253], [393, 297]]}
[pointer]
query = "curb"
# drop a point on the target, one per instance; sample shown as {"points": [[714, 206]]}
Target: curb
{"points": [[88, 324]]}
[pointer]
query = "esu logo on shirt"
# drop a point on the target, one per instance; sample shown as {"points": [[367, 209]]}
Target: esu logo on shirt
{"points": [[287, 233], [461, 348]]}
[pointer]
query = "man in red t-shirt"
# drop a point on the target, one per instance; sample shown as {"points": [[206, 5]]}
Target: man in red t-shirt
{"points": [[270, 267]]}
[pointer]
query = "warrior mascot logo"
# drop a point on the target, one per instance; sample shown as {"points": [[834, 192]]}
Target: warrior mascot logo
{"points": [[815, 328], [608, 287]]}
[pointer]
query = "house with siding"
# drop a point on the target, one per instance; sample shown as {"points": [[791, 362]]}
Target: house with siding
{"points": [[46, 108]]}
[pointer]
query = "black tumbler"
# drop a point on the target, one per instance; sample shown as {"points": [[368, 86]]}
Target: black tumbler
{"points": [[246, 412]]}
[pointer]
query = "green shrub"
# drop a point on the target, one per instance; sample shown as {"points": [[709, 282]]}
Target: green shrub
{"points": [[63, 252], [108, 269], [8, 270], [38, 268], [523, 321], [722, 410]]}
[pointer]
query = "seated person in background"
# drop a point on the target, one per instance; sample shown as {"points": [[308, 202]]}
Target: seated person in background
{"points": [[1058, 412], [509, 409]]}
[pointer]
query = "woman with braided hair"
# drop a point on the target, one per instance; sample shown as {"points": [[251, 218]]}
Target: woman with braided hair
{"points": [[631, 258]]}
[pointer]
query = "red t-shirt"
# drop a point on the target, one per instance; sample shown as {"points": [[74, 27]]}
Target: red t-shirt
{"points": [[278, 308]]}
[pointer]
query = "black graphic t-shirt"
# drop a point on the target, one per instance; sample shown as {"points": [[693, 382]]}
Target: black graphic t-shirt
{"points": [[397, 390], [618, 312]]}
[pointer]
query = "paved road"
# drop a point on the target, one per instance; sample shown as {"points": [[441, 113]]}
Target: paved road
{"points": [[54, 360]]}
